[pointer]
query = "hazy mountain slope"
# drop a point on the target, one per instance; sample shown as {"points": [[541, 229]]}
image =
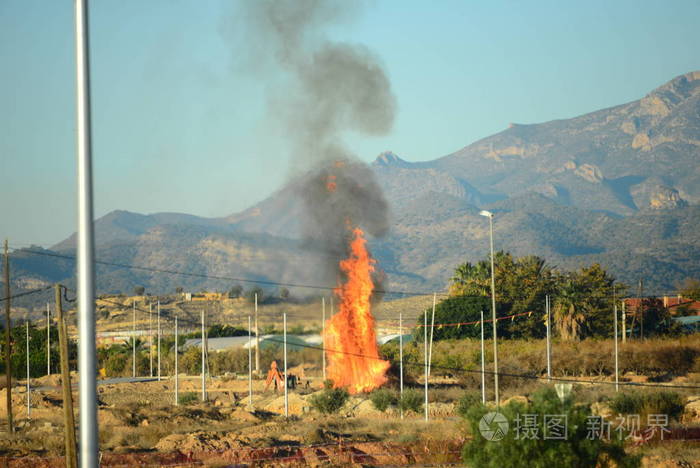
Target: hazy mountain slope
{"points": [[619, 186], [594, 161]]}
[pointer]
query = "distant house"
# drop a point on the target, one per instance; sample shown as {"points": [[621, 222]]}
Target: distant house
{"points": [[205, 296], [676, 305], [685, 307]]}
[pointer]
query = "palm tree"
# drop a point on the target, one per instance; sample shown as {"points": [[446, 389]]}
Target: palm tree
{"points": [[471, 280], [569, 307]]}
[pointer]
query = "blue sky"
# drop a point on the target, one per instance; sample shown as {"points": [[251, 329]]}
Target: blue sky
{"points": [[179, 123]]}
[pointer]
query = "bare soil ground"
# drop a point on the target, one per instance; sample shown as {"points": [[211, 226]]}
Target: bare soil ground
{"points": [[139, 425]]}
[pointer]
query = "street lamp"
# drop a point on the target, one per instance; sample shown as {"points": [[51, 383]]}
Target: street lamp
{"points": [[489, 215]]}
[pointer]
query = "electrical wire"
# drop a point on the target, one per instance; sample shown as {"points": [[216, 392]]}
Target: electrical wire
{"points": [[26, 293], [226, 278]]}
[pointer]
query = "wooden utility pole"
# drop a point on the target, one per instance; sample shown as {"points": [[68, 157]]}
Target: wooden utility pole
{"points": [[48, 339], [257, 338], [150, 335], [8, 344], [641, 308], [323, 336], [68, 418]]}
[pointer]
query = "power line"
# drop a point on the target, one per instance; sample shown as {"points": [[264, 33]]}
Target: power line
{"points": [[219, 277], [26, 293]]}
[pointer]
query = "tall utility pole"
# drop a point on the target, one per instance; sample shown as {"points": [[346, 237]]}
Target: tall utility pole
{"points": [[150, 335], [548, 313], [257, 338], [624, 322], [286, 383], [133, 339], [641, 308], [323, 336], [68, 418], [158, 312], [425, 360], [48, 339], [8, 343], [177, 377], [87, 362], [204, 381], [250, 365], [432, 328], [401, 358], [29, 402], [489, 215], [483, 362], [617, 380]]}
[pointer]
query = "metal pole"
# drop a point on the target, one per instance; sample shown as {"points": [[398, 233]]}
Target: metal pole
{"points": [[286, 391], [150, 336], [29, 405], [323, 336], [204, 382], [257, 338], [250, 364], [549, 337], [641, 308], [617, 380], [425, 359], [158, 312], [48, 339], [8, 344], [85, 248], [624, 323], [483, 362], [432, 328], [133, 339], [401, 358], [177, 399], [493, 315]]}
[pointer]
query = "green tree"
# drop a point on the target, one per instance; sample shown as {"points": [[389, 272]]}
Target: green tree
{"points": [[471, 280], [235, 292], [458, 309], [691, 289], [37, 351], [568, 314], [521, 286], [139, 290], [284, 294], [576, 450], [583, 303], [250, 295]]}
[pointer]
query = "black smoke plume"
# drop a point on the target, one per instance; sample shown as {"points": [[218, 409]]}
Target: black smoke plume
{"points": [[327, 89]]}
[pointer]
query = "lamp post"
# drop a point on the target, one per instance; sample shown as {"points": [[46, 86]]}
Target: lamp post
{"points": [[489, 215]]}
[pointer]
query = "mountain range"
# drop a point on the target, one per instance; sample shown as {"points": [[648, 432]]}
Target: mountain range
{"points": [[618, 186]]}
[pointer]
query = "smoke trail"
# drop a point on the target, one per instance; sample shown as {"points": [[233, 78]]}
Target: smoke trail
{"points": [[330, 88]]}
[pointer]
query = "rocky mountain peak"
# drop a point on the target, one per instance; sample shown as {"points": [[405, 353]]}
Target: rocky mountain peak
{"points": [[390, 159]]}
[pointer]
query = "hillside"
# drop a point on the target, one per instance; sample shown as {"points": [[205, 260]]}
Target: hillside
{"points": [[619, 186]]}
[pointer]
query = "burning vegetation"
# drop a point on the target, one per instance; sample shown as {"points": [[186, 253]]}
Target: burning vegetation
{"points": [[350, 339]]}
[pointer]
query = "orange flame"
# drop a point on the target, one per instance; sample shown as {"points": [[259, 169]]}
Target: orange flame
{"points": [[356, 366], [330, 183]]}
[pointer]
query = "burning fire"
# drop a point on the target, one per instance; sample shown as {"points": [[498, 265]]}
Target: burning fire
{"points": [[330, 183], [356, 366]]}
